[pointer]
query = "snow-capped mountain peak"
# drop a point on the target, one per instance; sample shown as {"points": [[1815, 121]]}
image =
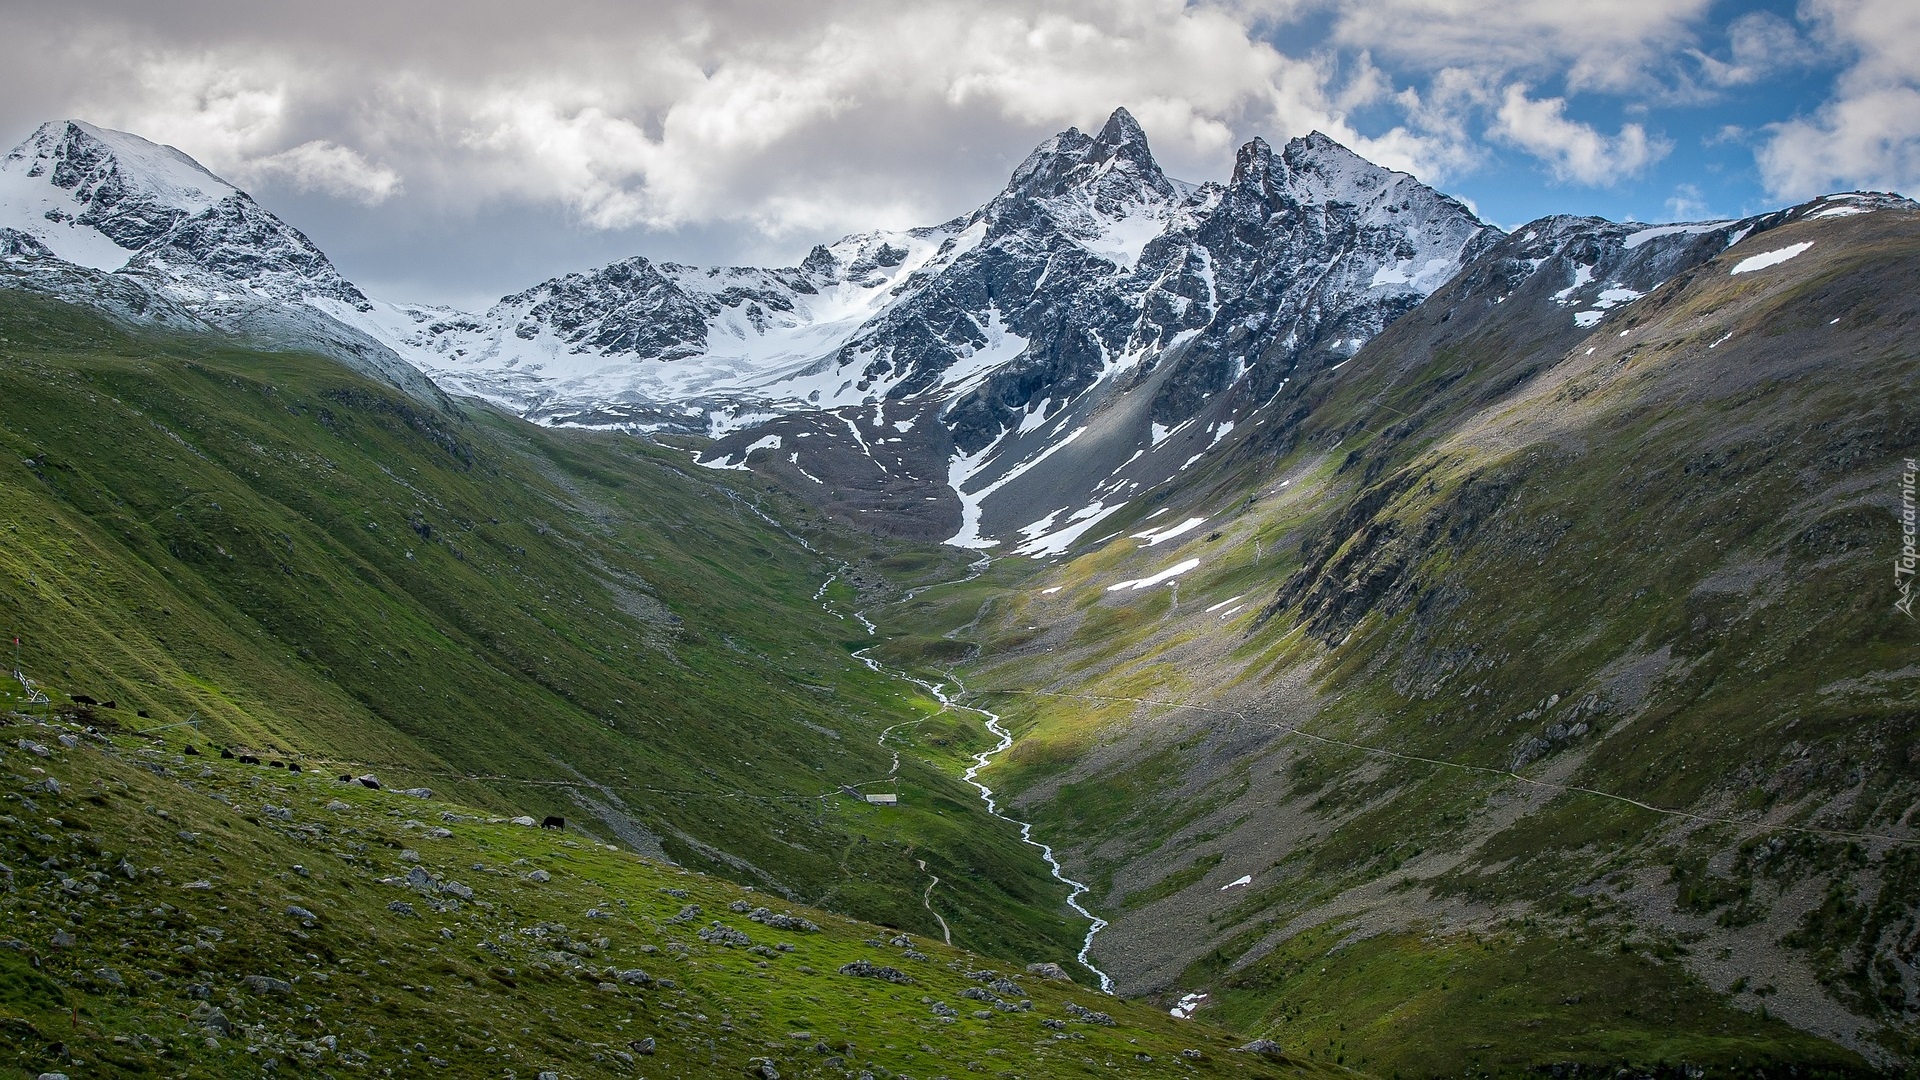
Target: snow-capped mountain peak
{"points": [[96, 197], [1104, 191], [113, 201]]}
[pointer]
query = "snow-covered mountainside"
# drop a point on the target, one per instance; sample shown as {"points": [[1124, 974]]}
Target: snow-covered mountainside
{"points": [[1013, 376], [922, 375], [148, 232]]}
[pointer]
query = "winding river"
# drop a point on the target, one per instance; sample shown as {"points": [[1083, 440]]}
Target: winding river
{"points": [[1076, 889]]}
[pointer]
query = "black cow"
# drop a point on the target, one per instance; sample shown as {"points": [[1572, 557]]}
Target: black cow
{"points": [[249, 759], [554, 822], [346, 778], [226, 753], [83, 699], [368, 781], [291, 767], [191, 750]]}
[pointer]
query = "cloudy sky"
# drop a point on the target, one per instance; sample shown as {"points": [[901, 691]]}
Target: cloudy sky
{"points": [[452, 152]]}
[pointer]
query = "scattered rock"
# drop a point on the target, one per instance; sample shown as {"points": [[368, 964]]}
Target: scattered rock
{"points": [[522, 820], [762, 1069], [723, 935], [867, 969], [212, 1019], [278, 813], [539, 875], [33, 748], [1086, 1015], [418, 792], [420, 881], [1049, 970], [401, 907], [642, 1046], [62, 940], [633, 977], [781, 921], [302, 914], [267, 984], [336, 805], [1265, 1047], [455, 889]]}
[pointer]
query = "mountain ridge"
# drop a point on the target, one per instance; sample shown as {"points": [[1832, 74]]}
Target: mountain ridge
{"points": [[909, 381]]}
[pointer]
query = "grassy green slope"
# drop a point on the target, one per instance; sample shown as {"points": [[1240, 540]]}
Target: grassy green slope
{"points": [[1513, 578], [306, 563], [166, 915]]}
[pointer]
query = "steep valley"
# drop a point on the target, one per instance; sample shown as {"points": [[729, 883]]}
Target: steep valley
{"points": [[1538, 697], [1426, 649]]}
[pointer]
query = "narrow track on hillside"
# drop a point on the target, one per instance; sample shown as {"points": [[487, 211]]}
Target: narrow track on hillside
{"points": [[1746, 824]]}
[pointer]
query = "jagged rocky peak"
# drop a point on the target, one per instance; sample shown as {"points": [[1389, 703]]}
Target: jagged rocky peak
{"points": [[72, 185], [113, 201], [1112, 168]]}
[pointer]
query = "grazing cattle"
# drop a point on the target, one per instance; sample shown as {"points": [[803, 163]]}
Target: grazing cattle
{"points": [[140, 712], [82, 699], [249, 759], [346, 778], [291, 767], [368, 781], [552, 822], [226, 753], [191, 750], [109, 704], [278, 764]]}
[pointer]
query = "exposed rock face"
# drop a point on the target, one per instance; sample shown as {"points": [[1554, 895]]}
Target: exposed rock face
{"points": [[1010, 377], [114, 201], [146, 232], [907, 373]]}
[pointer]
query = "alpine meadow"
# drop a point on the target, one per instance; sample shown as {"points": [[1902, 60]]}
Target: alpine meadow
{"points": [[1286, 624]]}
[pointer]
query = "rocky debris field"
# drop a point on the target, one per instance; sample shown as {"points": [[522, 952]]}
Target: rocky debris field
{"points": [[167, 913]]}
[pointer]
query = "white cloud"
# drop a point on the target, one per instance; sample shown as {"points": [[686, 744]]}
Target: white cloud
{"points": [[1607, 45], [788, 119], [1759, 44], [332, 169], [1573, 150], [1686, 204], [1868, 133]]}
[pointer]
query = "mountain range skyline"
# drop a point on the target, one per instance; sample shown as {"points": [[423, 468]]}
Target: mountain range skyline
{"points": [[451, 162]]}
